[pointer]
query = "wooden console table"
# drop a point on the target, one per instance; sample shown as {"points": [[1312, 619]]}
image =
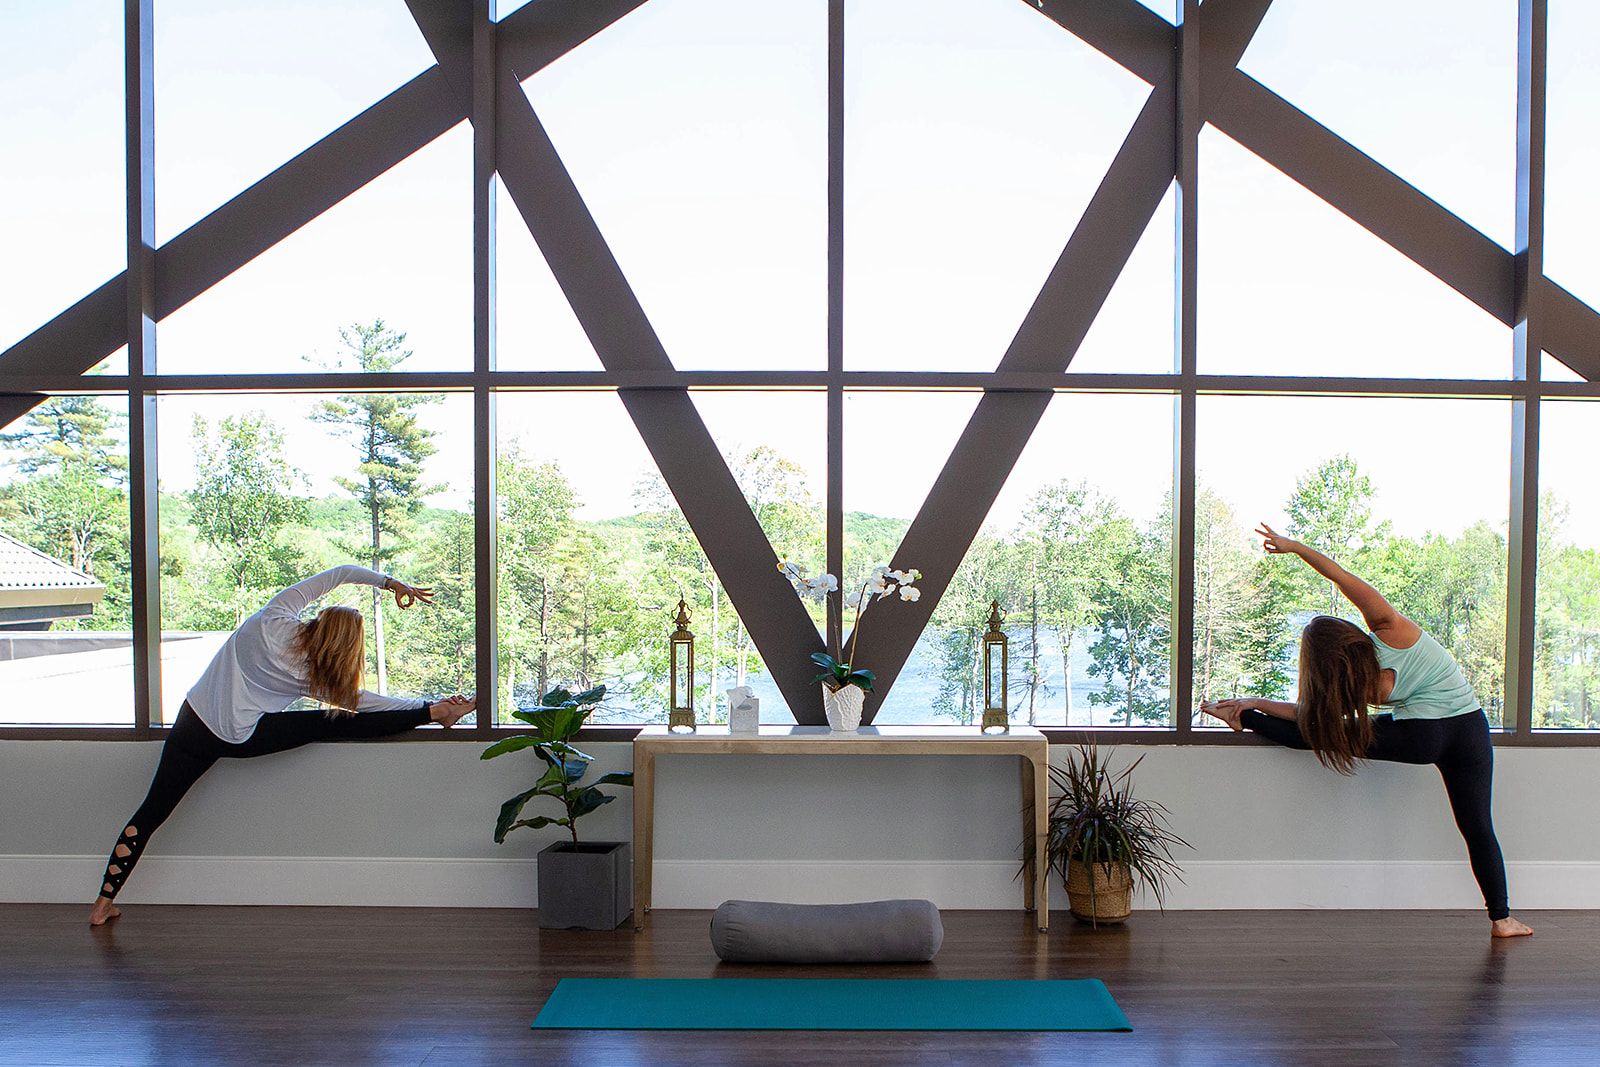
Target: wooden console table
{"points": [[1024, 741]]}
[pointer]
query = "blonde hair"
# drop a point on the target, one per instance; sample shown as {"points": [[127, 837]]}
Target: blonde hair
{"points": [[1338, 681], [335, 649]]}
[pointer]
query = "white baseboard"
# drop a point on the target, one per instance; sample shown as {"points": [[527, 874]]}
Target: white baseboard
{"points": [[510, 883]]}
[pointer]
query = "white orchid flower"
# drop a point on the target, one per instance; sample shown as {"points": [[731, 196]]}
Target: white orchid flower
{"points": [[829, 583], [910, 592], [880, 572], [791, 569], [877, 586]]}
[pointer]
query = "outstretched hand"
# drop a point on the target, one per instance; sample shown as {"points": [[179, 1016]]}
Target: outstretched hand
{"points": [[451, 710], [1274, 542], [406, 595]]}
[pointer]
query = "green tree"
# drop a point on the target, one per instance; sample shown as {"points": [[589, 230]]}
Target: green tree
{"points": [[537, 503], [390, 447], [961, 620], [1062, 561], [1132, 599], [242, 502], [1222, 571], [1331, 510]]}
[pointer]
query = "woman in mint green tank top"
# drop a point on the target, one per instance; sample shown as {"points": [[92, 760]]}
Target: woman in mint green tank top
{"points": [[1429, 714]]}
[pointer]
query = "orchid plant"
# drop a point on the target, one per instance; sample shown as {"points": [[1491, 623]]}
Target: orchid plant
{"points": [[881, 582]]}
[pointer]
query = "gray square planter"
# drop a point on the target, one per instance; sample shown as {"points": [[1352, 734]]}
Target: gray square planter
{"points": [[588, 886]]}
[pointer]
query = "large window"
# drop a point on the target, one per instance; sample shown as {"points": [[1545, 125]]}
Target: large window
{"points": [[799, 280]]}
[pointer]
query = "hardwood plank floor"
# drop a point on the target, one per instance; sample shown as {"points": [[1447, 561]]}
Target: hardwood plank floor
{"points": [[224, 985]]}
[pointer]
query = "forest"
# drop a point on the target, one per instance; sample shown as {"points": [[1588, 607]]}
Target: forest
{"points": [[584, 602]]}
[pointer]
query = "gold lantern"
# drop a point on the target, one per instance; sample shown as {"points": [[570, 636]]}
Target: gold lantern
{"points": [[680, 719], [996, 662]]}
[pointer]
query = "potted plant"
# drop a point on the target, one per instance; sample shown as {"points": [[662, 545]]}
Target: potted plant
{"points": [[844, 687], [588, 885], [1102, 839]]}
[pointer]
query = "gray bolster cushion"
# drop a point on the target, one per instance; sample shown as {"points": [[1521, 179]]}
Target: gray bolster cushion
{"points": [[883, 931]]}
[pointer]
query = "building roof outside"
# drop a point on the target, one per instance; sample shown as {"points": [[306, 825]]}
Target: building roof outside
{"points": [[29, 578]]}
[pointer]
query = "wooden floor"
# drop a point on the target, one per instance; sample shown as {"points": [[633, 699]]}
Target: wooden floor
{"points": [[215, 985]]}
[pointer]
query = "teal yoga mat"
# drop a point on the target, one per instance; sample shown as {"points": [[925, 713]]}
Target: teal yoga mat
{"points": [[828, 1004]]}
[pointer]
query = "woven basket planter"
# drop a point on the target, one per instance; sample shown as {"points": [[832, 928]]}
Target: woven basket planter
{"points": [[1112, 899]]}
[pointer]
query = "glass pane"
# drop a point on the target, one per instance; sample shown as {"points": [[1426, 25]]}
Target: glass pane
{"points": [[1409, 494], [1427, 88], [263, 490], [975, 134], [536, 327], [1566, 674], [1077, 551], [241, 88], [1552, 369], [1133, 334], [1288, 285], [775, 445], [696, 131], [398, 251], [1572, 158], [66, 642], [63, 209], [896, 445], [595, 554]]}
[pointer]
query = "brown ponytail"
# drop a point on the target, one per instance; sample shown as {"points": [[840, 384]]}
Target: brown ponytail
{"points": [[335, 650], [1338, 680]]}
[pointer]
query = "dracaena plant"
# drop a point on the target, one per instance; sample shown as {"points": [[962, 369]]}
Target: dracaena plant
{"points": [[560, 715], [1096, 820], [838, 672]]}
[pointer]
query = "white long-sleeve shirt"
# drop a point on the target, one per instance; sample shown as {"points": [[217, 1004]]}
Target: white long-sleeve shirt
{"points": [[257, 670]]}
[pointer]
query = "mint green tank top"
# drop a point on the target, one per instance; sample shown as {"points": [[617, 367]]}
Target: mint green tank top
{"points": [[1428, 684]]}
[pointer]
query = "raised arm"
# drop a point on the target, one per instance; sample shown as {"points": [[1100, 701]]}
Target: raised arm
{"points": [[1382, 619], [301, 595]]}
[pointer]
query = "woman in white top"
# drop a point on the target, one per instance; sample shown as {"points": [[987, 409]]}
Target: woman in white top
{"points": [[237, 708]]}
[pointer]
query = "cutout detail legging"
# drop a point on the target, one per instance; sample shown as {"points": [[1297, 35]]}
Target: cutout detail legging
{"points": [[1459, 746], [192, 748]]}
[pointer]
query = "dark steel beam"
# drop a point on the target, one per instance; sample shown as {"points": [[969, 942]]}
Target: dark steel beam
{"points": [[485, 427], [144, 545], [833, 547], [1186, 98], [1570, 330], [1528, 300], [24, 385]]}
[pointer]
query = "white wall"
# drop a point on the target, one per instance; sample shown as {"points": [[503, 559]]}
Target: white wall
{"points": [[411, 824]]}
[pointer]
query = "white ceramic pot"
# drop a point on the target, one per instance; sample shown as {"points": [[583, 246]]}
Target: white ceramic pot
{"points": [[843, 706]]}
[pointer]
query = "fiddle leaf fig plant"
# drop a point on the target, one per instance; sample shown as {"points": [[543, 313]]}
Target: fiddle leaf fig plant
{"points": [[559, 717]]}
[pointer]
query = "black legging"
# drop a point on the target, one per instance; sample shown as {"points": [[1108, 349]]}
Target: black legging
{"points": [[192, 748], [1459, 746]]}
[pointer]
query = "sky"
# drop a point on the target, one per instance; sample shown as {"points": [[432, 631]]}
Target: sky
{"points": [[696, 131]]}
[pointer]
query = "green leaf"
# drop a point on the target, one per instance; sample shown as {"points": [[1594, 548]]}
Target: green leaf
{"points": [[587, 801], [616, 778], [510, 744], [509, 812], [590, 696]]}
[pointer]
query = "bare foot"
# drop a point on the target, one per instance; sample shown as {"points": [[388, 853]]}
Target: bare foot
{"points": [[105, 910], [451, 710], [1226, 710], [1509, 927]]}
